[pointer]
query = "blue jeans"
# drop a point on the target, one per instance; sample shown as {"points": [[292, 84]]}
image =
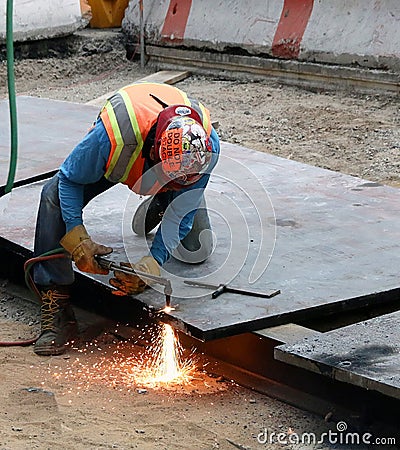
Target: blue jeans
{"points": [[50, 228]]}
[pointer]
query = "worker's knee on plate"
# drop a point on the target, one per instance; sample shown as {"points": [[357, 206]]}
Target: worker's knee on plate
{"points": [[198, 245], [195, 250]]}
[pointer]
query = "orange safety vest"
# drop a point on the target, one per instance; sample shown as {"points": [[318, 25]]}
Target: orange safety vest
{"points": [[128, 117]]}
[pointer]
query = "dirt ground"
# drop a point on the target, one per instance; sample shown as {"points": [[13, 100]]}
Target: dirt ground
{"points": [[87, 399], [44, 405]]}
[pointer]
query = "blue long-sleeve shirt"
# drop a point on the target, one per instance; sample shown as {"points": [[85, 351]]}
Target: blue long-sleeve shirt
{"points": [[87, 164]]}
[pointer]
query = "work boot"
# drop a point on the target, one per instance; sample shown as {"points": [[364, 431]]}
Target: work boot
{"points": [[57, 320], [149, 214]]}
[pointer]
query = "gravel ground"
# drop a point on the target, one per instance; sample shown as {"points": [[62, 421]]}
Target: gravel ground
{"points": [[355, 134]]}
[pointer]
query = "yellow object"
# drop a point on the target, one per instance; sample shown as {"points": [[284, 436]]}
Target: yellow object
{"points": [[131, 284], [107, 13], [77, 242], [73, 238], [150, 265]]}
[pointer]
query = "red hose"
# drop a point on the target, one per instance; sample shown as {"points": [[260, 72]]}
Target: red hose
{"points": [[18, 343], [27, 266], [30, 262]]}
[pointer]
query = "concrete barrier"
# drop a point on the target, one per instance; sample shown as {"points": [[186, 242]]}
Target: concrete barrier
{"points": [[42, 19], [363, 33]]}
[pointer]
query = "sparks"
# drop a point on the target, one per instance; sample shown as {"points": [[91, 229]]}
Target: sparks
{"points": [[167, 309], [160, 364], [166, 365]]}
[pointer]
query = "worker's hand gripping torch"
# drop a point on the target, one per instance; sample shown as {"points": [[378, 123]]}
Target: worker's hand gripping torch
{"points": [[146, 277]]}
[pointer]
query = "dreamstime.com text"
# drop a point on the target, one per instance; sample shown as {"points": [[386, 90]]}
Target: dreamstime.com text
{"points": [[341, 436]]}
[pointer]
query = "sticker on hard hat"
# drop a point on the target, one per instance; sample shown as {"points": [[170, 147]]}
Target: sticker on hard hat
{"points": [[183, 111], [171, 150]]}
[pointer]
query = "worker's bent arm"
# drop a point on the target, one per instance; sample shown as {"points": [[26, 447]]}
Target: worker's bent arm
{"points": [[85, 165], [178, 219]]}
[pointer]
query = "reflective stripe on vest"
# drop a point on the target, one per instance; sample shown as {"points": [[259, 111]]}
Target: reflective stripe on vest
{"points": [[127, 131], [129, 141]]}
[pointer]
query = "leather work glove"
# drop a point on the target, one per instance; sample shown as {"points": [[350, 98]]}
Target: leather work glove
{"points": [[130, 284], [77, 242]]}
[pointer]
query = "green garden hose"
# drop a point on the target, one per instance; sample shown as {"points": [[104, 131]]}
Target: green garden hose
{"points": [[11, 97]]}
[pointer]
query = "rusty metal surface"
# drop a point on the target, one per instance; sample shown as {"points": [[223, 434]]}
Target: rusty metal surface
{"points": [[366, 354], [47, 131], [336, 245]]}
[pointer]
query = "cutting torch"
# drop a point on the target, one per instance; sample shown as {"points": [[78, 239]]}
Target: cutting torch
{"points": [[111, 265]]}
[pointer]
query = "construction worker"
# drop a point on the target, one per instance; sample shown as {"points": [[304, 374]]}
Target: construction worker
{"points": [[159, 142]]}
